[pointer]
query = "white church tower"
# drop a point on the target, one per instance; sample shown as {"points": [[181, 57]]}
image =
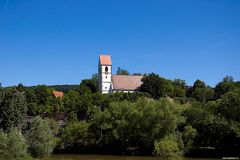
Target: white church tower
{"points": [[105, 74]]}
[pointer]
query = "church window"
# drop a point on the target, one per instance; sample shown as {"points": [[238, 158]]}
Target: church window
{"points": [[106, 77], [106, 70]]}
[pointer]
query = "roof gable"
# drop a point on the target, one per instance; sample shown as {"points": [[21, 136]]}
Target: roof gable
{"points": [[105, 60]]}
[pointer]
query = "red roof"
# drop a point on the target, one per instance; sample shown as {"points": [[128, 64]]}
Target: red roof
{"points": [[126, 82], [105, 60], [58, 94]]}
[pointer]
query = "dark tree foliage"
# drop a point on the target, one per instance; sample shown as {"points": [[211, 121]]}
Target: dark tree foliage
{"points": [[42, 93], [201, 92], [179, 88], [229, 106], [156, 86], [121, 71], [87, 86], [13, 109], [64, 88], [137, 74], [20, 87], [226, 85]]}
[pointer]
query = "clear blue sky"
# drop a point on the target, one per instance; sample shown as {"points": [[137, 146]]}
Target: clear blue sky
{"points": [[58, 41]]}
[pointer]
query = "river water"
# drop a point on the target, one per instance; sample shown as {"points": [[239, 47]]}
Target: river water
{"points": [[107, 157]]}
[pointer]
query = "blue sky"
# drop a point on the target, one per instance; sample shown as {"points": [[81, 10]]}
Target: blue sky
{"points": [[59, 41]]}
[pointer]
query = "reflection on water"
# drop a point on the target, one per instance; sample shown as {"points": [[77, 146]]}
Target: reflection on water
{"points": [[106, 157]]}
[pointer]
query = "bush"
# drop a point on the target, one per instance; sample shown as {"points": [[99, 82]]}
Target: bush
{"points": [[40, 138], [13, 146], [166, 148]]}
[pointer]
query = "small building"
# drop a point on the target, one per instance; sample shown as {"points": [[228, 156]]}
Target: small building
{"points": [[109, 83], [58, 94]]}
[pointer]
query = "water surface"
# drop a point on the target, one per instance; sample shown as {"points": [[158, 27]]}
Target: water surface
{"points": [[107, 157]]}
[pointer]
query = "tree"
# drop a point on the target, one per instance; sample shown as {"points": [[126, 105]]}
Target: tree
{"points": [[201, 92], [229, 106], [188, 136], [125, 125], [156, 86], [95, 80], [87, 86], [13, 146], [137, 74], [179, 88], [31, 98], [20, 87], [74, 133], [121, 71], [40, 138], [13, 109], [226, 85], [43, 93]]}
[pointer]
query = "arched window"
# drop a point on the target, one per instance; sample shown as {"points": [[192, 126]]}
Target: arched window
{"points": [[106, 70]]}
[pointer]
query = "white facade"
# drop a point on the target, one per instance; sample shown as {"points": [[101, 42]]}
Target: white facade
{"points": [[105, 78]]}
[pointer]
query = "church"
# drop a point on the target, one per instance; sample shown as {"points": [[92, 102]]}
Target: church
{"points": [[109, 83]]}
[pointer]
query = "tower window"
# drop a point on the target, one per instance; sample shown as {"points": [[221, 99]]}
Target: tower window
{"points": [[106, 70], [106, 77], [105, 87]]}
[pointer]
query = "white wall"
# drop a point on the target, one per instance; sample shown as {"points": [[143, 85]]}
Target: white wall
{"points": [[105, 79]]}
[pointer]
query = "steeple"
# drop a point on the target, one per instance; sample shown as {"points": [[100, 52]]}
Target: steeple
{"points": [[105, 74]]}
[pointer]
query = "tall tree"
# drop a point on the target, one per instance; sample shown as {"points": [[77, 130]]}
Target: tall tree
{"points": [[43, 93], [13, 109]]}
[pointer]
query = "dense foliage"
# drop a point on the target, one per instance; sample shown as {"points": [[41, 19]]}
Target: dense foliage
{"points": [[13, 146], [168, 119]]}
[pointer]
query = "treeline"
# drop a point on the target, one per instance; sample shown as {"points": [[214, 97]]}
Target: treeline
{"points": [[168, 119]]}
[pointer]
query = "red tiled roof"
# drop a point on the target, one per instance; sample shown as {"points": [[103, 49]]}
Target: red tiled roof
{"points": [[105, 60], [126, 82], [58, 94]]}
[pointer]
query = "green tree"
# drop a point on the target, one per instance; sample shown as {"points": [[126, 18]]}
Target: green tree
{"points": [[201, 92], [13, 146], [156, 86], [40, 138], [13, 109], [226, 85], [188, 136], [229, 106], [125, 125], [75, 133], [121, 71], [43, 93], [95, 80], [88, 86], [179, 88]]}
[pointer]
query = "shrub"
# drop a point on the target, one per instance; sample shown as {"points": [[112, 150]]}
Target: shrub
{"points": [[13, 146], [166, 148], [40, 138]]}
